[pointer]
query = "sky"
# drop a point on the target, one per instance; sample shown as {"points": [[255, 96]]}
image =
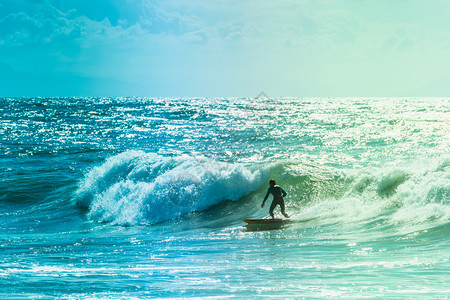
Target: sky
{"points": [[218, 48]]}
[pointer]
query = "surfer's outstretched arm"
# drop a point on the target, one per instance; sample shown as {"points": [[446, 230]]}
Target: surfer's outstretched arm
{"points": [[265, 198]]}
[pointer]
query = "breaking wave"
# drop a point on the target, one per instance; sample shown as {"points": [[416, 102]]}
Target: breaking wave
{"points": [[141, 188]]}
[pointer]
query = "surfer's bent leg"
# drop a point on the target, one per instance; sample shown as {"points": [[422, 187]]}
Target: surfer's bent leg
{"points": [[281, 201], [283, 208]]}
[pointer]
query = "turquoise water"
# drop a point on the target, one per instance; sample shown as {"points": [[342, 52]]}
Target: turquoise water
{"points": [[132, 198]]}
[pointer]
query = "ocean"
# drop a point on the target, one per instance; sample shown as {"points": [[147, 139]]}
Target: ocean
{"points": [[143, 198]]}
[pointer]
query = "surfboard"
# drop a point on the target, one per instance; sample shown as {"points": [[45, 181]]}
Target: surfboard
{"points": [[266, 221]]}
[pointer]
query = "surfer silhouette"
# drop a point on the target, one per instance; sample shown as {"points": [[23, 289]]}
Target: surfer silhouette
{"points": [[278, 194]]}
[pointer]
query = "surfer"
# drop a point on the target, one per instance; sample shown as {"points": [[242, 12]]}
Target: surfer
{"points": [[278, 194]]}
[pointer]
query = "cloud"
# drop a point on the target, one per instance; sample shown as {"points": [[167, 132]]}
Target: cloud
{"points": [[23, 29], [286, 46]]}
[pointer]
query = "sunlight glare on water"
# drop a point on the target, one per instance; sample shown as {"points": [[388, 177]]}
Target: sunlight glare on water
{"points": [[135, 198]]}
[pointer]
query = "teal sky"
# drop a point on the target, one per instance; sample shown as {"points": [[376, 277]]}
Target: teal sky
{"points": [[224, 48]]}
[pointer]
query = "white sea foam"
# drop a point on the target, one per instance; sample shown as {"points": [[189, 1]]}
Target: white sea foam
{"points": [[396, 196], [139, 188], [425, 196]]}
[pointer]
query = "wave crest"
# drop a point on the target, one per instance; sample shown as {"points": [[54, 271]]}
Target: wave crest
{"points": [[140, 188], [393, 196]]}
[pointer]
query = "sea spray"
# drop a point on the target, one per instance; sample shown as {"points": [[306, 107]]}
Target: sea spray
{"points": [[395, 197], [135, 187], [425, 196]]}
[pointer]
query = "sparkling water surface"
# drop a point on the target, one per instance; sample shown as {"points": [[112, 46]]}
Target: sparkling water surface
{"points": [[131, 198]]}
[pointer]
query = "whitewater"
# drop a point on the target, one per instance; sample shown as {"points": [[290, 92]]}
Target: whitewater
{"points": [[143, 198]]}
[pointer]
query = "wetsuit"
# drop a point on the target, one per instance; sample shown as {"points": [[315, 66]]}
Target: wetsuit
{"points": [[278, 194]]}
